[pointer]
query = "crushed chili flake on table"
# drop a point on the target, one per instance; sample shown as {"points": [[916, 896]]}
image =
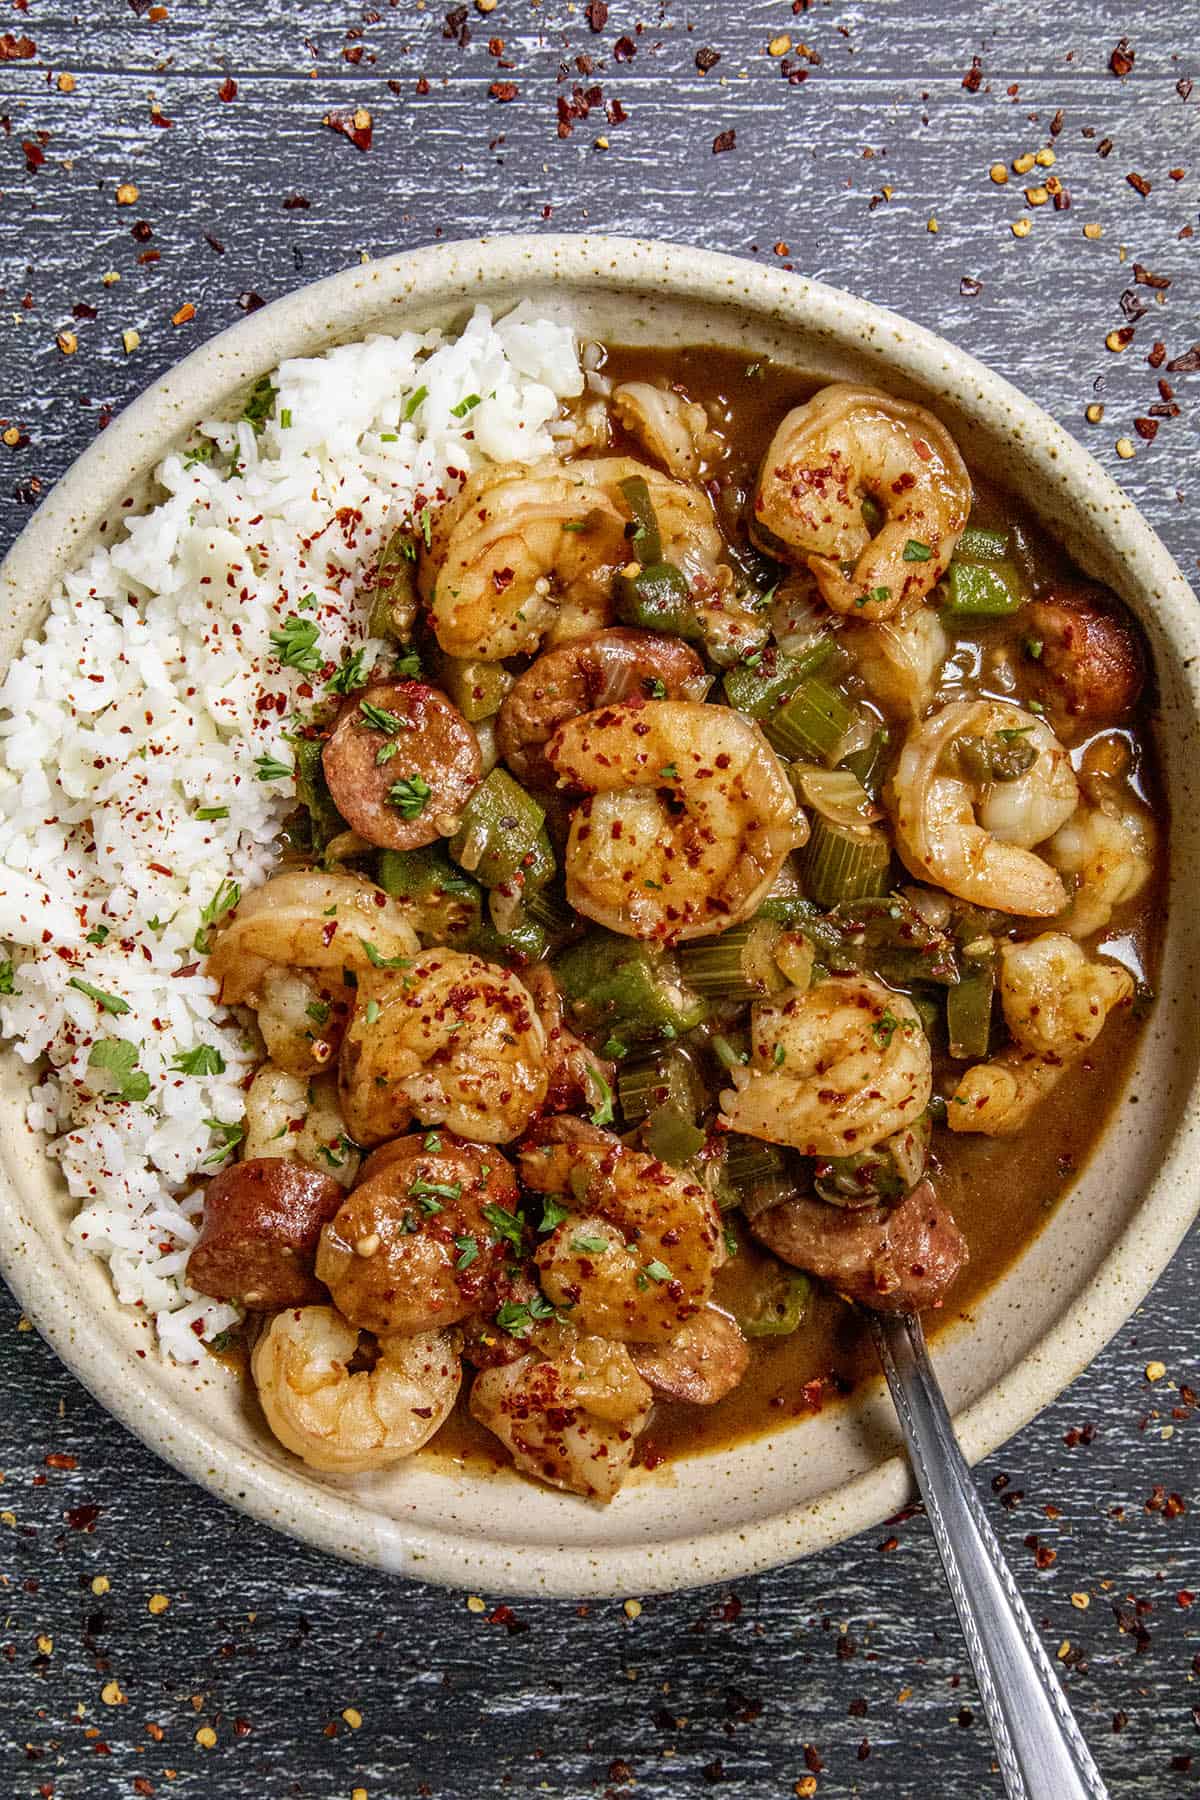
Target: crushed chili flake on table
{"points": [[16, 49], [974, 76], [228, 89], [724, 140], [707, 58], [1122, 59], [504, 90], [1138, 182], [358, 127]]}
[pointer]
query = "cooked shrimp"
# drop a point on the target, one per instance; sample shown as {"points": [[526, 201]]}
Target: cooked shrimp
{"points": [[450, 1041], [833, 1068], [900, 659], [689, 819], [673, 429], [301, 1018], [412, 1249], [845, 445], [347, 1423], [571, 1421], [967, 815], [576, 1077], [596, 670], [1106, 852], [523, 543], [299, 1120], [304, 919], [1055, 1004], [635, 1256]]}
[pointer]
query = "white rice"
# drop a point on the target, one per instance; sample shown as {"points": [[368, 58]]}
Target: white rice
{"points": [[149, 697]]}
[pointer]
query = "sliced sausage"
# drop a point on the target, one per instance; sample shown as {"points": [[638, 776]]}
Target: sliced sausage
{"points": [[413, 1247], [701, 1365], [1089, 668], [400, 764], [595, 670], [262, 1219], [896, 1259]]}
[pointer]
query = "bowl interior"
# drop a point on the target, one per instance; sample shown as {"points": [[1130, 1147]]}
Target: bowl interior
{"points": [[824, 1477]]}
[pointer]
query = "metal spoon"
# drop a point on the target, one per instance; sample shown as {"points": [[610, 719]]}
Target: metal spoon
{"points": [[1039, 1746]]}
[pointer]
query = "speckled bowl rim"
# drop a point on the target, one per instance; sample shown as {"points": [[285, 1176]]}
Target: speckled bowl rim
{"points": [[453, 274]]}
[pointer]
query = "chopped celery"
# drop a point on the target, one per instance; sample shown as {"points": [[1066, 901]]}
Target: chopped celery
{"points": [[749, 1160], [444, 905], [312, 791], [476, 688], [738, 965], [666, 1079], [646, 537], [778, 1305], [812, 724], [616, 984], [867, 763], [845, 862], [394, 592], [757, 689], [969, 1006], [980, 544], [983, 590], [658, 598], [501, 836]]}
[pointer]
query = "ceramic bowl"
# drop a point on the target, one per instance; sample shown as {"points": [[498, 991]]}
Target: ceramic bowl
{"points": [[822, 1479]]}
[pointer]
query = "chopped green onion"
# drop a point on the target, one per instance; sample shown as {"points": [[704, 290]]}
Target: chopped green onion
{"points": [[295, 644], [109, 1003], [410, 795], [465, 406], [269, 768], [414, 400], [916, 551]]}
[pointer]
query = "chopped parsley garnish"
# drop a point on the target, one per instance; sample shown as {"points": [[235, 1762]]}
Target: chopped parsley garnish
{"points": [[669, 772], [328, 1154], [109, 1003], [445, 1190], [916, 551], [372, 1011], [307, 603], [380, 719], [96, 936], [502, 1221], [269, 768], [212, 812], [465, 406], [203, 1060], [409, 665], [1033, 647], [410, 795], [779, 1056], [119, 1059], [886, 1027], [732, 1247], [613, 1047], [223, 901], [258, 407], [414, 400], [603, 1111], [203, 453], [378, 960], [518, 1319], [468, 1248], [226, 1135], [552, 1214], [385, 753], [1012, 734], [318, 1011], [879, 595], [348, 675], [589, 1246], [656, 688], [295, 644], [285, 418], [657, 1271]]}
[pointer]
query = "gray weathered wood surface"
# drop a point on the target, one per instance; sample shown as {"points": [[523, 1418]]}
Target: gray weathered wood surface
{"points": [[855, 1653]]}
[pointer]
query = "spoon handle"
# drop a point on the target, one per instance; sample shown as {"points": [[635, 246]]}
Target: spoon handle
{"points": [[1039, 1746]]}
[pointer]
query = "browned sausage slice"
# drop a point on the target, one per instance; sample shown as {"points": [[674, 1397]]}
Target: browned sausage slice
{"points": [[701, 1365], [1090, 667], [419, 1241], [262, 1219], [401, 763], [595, 670], [896, 1259]]}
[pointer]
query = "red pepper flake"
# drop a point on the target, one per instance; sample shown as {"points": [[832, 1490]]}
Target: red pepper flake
{"points": [[142, 232], [1122, 59], [1148, 278], [357, 127], [214, 244], [973, 78], [1158, 354], [185, 314], [812, 1759], [707, 59], [16, 49], [1187, 364], [724, 140], [58, 1459], [504, 90], [83, 1518], [228, 89], [1146, 428], [296, 203], [969, 287], [597, 15], [158, 117], [1104, 147], [1057, 123], [1182, 88], [35, 156], [624, 50], [1138, 183], [249, 301]]}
